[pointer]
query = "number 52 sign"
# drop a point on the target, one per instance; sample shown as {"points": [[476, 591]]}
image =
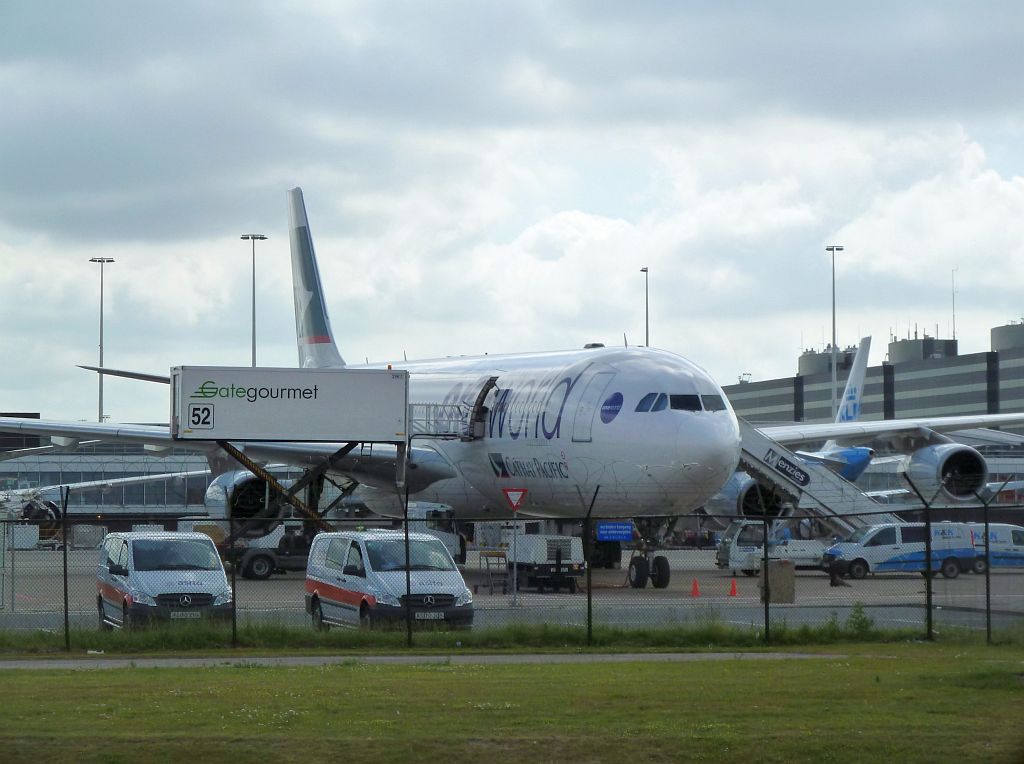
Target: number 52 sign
{"points": [[200, 416]]}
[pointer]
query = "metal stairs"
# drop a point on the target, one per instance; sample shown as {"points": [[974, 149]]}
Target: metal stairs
{"points": [[812, 488]]}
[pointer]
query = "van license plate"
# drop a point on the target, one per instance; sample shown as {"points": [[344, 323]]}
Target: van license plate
{"points": [[185, 614], [429, 615]]}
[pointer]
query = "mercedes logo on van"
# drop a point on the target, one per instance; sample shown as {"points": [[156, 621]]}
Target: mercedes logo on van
{"points": [[185, 600], [428, 600]]}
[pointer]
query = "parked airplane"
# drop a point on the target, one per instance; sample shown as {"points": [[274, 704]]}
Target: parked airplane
{"points": [[636, 431]]}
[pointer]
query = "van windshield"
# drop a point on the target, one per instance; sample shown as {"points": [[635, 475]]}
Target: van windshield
{"points": [[423, 555], [179, 554]]}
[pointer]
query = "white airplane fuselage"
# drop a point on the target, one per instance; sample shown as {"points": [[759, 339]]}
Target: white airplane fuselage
{"points": [[562, 425]]}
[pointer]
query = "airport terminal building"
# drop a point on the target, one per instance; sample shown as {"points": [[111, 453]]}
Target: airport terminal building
{"points": [[922, 377]]}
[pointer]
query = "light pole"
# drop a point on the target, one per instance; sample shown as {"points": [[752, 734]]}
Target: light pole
{"points": [[102, 261], [254, 237], [647, 311], [833, 248]]}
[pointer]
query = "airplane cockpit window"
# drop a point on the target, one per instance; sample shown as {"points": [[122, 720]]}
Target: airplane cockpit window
{"points": [[685, 402], [661, 403], [646, 401], [713, 402]]}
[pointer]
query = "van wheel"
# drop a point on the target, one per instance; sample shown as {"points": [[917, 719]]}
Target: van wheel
{"points": [[750, 572], [638, 572], [126, 618], [858, 569], [104, 626], [259, 567], [365, 618], [950, 568], [318, 617], [572, 586], [978, 566]]}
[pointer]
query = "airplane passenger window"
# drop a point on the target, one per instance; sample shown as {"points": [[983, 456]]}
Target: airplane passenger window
{"points": [[685, 402], [661, 403], [713, 402], [646, 401]]}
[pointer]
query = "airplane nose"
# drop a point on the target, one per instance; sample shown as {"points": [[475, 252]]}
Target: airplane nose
{"points": [[709, 450]]}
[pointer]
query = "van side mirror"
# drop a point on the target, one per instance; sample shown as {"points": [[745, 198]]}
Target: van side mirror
{"points": [[117, 570], [352, 570]]}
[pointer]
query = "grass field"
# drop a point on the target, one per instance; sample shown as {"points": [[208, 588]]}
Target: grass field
{"points": [[907, 702]]}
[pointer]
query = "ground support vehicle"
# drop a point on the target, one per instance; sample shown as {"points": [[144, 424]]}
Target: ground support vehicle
{"points": [[742, 549], [538, 561], [900, 547], [360, 579], [281, 550], [145, 577], [1005, 545]]}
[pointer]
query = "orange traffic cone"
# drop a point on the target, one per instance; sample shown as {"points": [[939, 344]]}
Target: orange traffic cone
{"points": [[732, 589], [695, 592]]}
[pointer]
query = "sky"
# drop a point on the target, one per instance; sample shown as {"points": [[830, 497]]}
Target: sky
{"points": [[490, 177]]}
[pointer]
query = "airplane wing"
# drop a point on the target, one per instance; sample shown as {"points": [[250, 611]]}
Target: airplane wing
{"points": [[373, 464], [886, 430]]}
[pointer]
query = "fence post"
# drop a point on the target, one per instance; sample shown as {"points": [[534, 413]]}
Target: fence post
{"points": [[927, 572], [766, 589], [588, 548], [408, 571], [233, 556], [988, 580], [64, 493], [928, 569]]}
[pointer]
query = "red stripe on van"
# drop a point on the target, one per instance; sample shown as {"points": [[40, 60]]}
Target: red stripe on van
{"points": [[338, 594]]}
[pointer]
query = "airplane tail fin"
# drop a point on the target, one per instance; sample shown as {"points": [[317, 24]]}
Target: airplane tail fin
{"points": [[849, 406], [317, 348]]}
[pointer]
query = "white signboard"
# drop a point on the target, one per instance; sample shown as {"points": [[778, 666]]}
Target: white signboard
{"points": [[245, 403]]}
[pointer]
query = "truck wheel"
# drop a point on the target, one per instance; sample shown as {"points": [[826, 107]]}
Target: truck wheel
{"points": [[126, 618], [572, 586], [365, 618], [950, 568], [662, 573], [750, 572], [638, 572], [978, 566], [104, 626], [318, 617], [259, 567], [858, 569]]}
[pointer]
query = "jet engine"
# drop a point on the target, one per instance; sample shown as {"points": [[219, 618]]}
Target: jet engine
{"points": [[243, 497], [741, 496], [950, 471], [45, 514]]}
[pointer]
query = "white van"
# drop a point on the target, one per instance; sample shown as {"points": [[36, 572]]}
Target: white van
{"points": [[1005, 542], [900, 547], [358, 578], [159, 576]]}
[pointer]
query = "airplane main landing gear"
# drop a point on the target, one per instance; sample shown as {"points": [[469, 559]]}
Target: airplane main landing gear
{"points": [[657, 570]]}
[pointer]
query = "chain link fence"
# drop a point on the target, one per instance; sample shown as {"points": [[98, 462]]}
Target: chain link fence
{"points": [[661, 573]]}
